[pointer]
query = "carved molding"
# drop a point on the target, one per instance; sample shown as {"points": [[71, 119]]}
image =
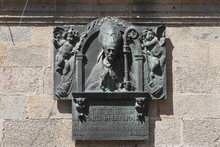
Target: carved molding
{"points": [[137, 14]]}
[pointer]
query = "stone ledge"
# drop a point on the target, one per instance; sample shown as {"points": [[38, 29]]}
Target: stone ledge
{"points": [[73, 13], [136, 20]]}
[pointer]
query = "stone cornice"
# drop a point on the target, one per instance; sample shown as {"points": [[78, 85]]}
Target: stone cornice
{"points": [[78, 13]]}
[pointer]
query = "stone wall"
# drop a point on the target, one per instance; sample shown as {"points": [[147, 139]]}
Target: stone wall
{"points": [[189, 117]]}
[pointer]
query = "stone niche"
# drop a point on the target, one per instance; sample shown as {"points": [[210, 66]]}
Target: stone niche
{"points": [[109, 69]]}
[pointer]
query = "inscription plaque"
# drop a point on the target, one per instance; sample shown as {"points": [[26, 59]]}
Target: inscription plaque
{"points": [[110, 120], [109, 69]]}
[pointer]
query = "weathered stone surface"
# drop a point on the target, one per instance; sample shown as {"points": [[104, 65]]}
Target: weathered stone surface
{"points": [[44, 107], [15, 34], [201, 133], [163, 132], [64, 133], [197, 80], [214, 54], [197, 106], [191, 54], [1, 131], [199, 48], [24, 54], [29, 133], [42, 35], [2, 54], [13, 106], [167, 132], [2, 50], [48, 81], [193, 34], [20, 79]]}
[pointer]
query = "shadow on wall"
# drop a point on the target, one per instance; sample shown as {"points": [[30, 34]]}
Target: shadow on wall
{"points": [[155, 109]]}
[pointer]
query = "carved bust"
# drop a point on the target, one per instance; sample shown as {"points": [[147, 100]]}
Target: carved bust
{"points": [[107, 74]]}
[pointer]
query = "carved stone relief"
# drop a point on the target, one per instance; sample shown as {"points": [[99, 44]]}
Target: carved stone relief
{"points": [[109, 59]]}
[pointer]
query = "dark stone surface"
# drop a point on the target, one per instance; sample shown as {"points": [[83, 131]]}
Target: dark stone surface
{"points": [[110, 120]]}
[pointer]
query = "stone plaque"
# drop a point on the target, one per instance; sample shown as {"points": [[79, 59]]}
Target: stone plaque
{"points": [[109, 69], [110, 120]]}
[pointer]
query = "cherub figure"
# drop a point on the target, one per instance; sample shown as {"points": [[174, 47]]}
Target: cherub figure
{"points": [[67, 46], [67, 43], [152, 44]]}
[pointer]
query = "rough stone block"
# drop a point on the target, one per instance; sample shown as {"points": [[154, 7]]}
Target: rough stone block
{"points": [[1, 131], [29, 133], [167, 132], [14, 34], [2, 50], [192, 54], [42, 35], [214, 55], [64, 133], [48, 81], [2, 54], [198, 47], [24, 54], [13, 106], [197, 106], [193, 34], [163, 132], [197, 80], [20, 79], [44, 107], [203, 133]]}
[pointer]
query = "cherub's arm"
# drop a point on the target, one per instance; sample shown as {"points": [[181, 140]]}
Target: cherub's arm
{"points": [[57, 43], [148, 43]]}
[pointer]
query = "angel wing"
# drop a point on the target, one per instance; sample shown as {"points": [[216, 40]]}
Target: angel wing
{"points": [[160, 32]]}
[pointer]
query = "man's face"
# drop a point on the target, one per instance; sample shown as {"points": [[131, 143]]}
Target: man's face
{"points": [[110, 54]]}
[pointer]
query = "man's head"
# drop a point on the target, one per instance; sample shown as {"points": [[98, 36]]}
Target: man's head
{"points": [[110, 38]]}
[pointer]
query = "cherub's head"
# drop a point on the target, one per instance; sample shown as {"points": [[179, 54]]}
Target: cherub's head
{"points": [[57, 33], [72, 35], [149, 34]]}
